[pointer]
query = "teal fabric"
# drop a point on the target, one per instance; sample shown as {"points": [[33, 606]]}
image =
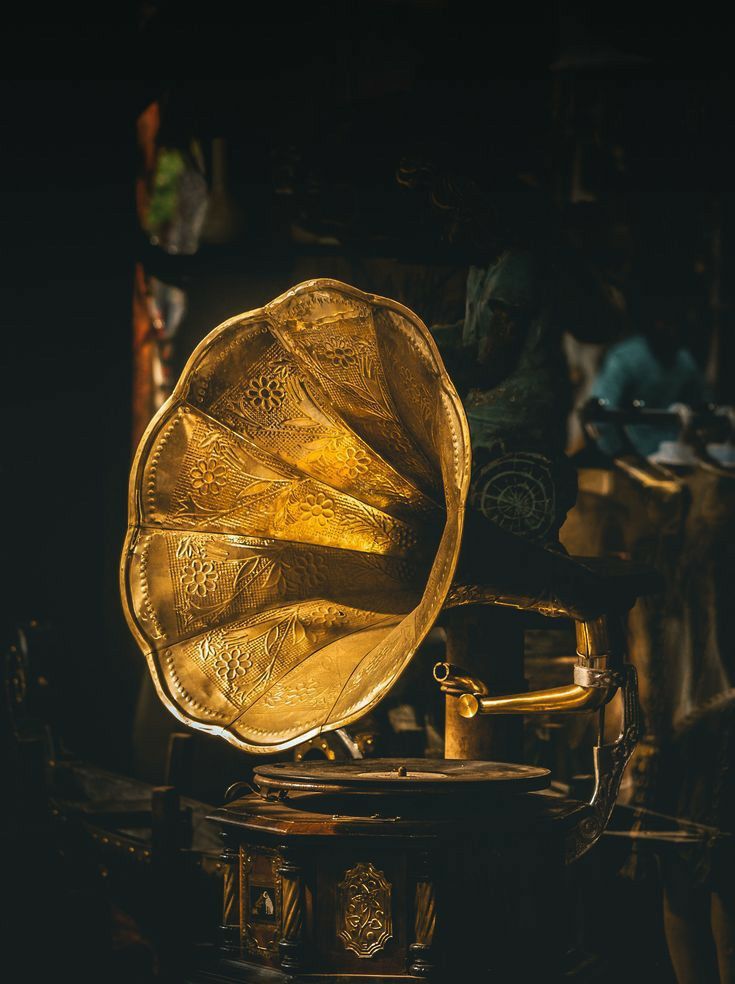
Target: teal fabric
{"points": [[632, 372]]}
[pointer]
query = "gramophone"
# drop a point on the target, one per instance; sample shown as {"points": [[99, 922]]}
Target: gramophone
{"points": [[298, 521]]}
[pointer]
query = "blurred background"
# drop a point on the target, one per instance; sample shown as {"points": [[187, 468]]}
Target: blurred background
{"points": [[409, 148]]}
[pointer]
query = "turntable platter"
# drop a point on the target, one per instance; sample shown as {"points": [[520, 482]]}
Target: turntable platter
{"points": [[400, 776]]}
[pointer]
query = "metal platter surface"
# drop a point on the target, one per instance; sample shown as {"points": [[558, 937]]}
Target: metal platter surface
{"points": [[400, 776]]}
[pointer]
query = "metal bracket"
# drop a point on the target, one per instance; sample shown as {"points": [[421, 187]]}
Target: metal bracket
{"points": [[586, 676], [610, 762]]}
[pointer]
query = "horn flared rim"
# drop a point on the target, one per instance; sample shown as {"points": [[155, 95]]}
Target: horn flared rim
{"points": [[409, 631]]}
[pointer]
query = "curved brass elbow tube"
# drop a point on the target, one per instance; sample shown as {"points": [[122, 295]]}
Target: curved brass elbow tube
{"points": [[598, 674], [456, 681], [554, 700], [596, 679]]}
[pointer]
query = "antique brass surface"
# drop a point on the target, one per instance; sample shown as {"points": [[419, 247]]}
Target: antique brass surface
{"points": [[596, 678], [365, 923], [296, 513], [295, 516], [599, 673], [551, 701], [595, 637], [456, 681]]}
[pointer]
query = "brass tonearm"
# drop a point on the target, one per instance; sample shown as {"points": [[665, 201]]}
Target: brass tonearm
{"points": [[597, 676], [599, 673]]}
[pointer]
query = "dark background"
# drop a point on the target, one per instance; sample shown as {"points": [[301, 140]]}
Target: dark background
{"points": [[356, 88], [353, 89]]}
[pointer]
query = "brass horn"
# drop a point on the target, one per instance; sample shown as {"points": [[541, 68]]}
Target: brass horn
{"points": [[298, 520]]}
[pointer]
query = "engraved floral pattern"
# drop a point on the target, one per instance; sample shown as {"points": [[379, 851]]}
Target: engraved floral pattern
{"points": [[199, 578], [239, 500], [317, 507], [416, 392], [304, 692], [365, 910], [264, 393], [341, 354], [231, 665], [208, 476], [305, 572], [327, 617], [352, 462]]}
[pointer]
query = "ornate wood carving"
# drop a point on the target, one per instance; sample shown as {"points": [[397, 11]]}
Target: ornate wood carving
{"points": [[292, 911], [424, 920]]}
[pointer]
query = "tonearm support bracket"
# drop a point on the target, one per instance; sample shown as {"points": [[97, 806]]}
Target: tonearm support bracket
{"points": [[599, 673]]}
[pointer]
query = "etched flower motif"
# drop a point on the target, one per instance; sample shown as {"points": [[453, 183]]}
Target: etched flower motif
{"points": [[208, 476], [305, 692], [416, 392], [199, 578], [231, 664], [353, 462], [341, 354], [317, 507], [305, 571], [327, 616], [264, 393]]}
